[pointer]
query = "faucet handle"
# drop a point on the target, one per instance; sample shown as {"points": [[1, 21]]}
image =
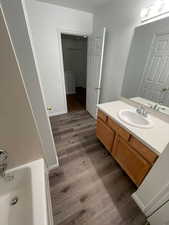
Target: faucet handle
{"points": [[140, 109], [145, 113]]}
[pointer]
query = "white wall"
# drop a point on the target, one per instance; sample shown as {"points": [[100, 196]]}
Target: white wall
{"points": [[16, 22], [120, 17], [46, 22], [18, 133], [139, 51]]}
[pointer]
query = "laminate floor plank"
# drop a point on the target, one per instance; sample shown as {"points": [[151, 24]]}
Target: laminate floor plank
{"points": [[89, 187]]}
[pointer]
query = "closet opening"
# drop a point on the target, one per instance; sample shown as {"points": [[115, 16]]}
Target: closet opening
{"points": [[75, 70]]}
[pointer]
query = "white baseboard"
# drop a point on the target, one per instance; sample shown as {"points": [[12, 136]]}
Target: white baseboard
{"points": [[139, 202]]}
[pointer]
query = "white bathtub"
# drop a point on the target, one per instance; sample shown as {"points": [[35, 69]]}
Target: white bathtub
{"points": [[30, 189]]}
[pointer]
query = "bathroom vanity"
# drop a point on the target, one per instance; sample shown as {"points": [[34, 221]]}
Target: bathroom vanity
{"points": [[135, 149]]}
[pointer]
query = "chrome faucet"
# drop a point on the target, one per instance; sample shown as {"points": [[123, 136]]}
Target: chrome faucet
{"points": [[157, 107], [142, 111], [3, 162]]}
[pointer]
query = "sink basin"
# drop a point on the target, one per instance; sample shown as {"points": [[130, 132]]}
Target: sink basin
{"points": [[132, 118]]}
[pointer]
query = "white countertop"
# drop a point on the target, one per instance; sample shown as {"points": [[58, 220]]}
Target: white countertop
{"points": [[156, 138]]}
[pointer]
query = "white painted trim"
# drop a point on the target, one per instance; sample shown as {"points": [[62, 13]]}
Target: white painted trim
{"points": [[40, 84], [53, 167], [101, 67], [158, 200], [154, 19], [138, 202], [73, 32], [59, 33], [62, 70], [155, 203]]}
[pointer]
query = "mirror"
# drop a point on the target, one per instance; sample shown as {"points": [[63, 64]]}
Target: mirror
{"points": [[146, 78]]}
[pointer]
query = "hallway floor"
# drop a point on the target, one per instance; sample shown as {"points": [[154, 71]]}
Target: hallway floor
{"points": [[89, 188], [73, 104]]}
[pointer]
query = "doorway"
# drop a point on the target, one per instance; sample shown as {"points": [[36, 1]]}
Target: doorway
{"points": [[75, 70]]}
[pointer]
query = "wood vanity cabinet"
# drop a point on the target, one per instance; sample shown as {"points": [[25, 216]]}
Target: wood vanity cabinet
{"points": [[105, 135], [133, 156], [132, 162]]}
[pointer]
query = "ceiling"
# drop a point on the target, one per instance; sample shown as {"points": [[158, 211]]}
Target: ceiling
{"points": [[86, 5]]}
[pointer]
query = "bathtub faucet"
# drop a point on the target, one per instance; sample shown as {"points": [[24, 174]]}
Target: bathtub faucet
{"points": [[3, 162]]}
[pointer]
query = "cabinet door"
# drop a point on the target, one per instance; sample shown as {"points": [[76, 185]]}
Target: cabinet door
{"points": [[101, 115], [150, 156], [132, 162], [105, 134]]}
